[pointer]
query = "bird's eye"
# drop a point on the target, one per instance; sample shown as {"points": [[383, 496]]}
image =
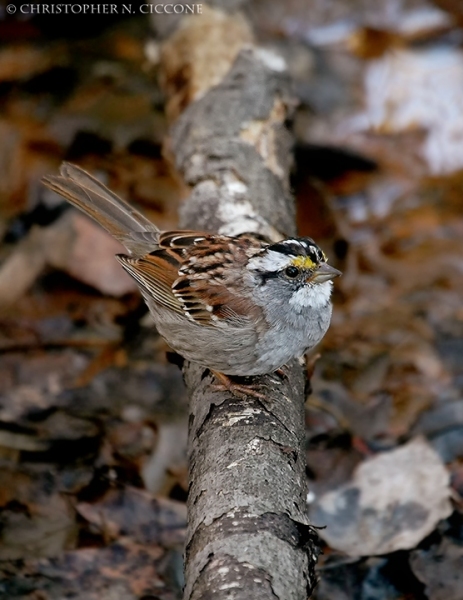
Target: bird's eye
{"points": [[291, 272]]}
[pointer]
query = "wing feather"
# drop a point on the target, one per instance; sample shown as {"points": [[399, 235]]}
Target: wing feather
{"points": [[154, 277], [185, 276]]}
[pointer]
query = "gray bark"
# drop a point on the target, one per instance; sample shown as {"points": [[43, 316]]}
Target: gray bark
{"points": [[248, 533]]}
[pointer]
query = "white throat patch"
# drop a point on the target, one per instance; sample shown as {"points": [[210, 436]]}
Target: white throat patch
{"points": [[312, 296]]}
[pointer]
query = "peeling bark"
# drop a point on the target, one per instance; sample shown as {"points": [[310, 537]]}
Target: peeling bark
{"points": [[249, 535]]}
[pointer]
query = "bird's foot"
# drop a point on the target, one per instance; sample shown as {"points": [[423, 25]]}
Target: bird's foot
{"points": [[239, 390]]}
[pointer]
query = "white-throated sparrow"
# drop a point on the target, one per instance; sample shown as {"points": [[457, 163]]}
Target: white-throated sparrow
{"points": [[236, 305]]}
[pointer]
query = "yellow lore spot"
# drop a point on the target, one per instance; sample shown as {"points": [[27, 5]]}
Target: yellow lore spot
{"points": [[303, 262]]}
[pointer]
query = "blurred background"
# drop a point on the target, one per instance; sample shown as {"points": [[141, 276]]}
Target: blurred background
{"points": [[93, 416]]}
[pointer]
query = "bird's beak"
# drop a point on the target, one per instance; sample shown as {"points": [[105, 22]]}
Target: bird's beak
{"points": [[325, 272]]}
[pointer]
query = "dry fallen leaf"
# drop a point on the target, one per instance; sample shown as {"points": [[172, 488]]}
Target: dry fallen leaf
{"points": [[394, 500]]}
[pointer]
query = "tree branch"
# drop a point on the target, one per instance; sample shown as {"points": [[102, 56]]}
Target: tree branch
{"points": [[249, 534]]}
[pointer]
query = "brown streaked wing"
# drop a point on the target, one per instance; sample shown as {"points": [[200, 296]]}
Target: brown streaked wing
{"points": [[210, 265], [207, 301], [179, 244], [155, 275], [182, 239], [194, 307], [185, 276]]}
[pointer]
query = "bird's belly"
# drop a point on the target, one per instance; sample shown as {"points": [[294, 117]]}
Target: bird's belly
{"points": [[242, 351], [229, 351]]}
